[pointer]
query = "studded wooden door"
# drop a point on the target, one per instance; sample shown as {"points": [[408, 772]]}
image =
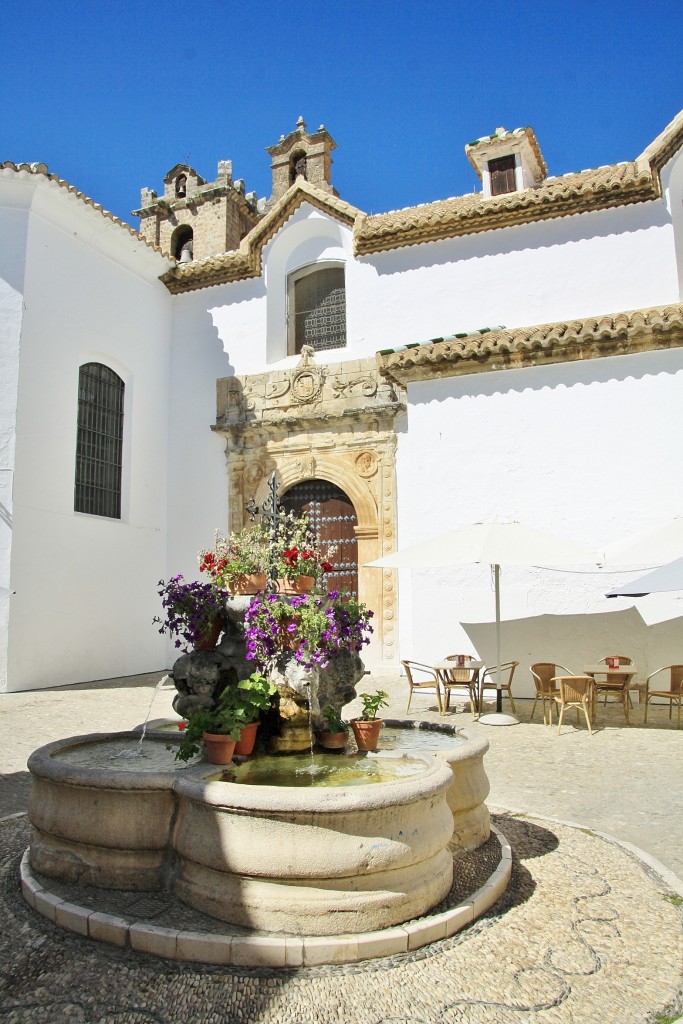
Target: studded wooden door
{"points": [[333, 518]]}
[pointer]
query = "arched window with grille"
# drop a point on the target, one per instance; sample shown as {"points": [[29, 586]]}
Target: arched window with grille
{"points": [[99, 441], [317, 308]]}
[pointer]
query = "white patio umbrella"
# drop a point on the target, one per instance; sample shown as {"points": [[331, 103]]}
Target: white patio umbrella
{"points": [[666, 579], [498, 542], [649, 548]]}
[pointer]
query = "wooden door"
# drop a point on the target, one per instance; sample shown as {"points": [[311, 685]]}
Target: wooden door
{"points": [[333, 519]]}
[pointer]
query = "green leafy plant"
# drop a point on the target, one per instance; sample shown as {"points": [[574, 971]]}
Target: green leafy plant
{"points": [[237, 706], [372, 702], [334, 720]]}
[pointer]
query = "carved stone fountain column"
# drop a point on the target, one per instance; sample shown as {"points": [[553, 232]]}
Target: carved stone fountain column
{"points": [[332, 422]]}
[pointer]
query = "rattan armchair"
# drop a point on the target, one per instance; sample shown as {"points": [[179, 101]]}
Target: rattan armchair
{"points": [[615, 684], [458, 679], [489, 680], [674, 694], [414, 668], [543, 674], [574, 692]]}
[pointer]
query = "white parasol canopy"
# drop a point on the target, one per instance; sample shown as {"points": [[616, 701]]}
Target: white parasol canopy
{"points": [[498, 542], [664, 580], [648, 549]]}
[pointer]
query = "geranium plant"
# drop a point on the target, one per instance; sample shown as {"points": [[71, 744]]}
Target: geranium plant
{"points": [[314, 626], [372, 702], [191, 610], [233, 558]]}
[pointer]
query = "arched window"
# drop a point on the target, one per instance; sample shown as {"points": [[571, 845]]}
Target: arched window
{"points": [[99, 441], [182, 243], [317, 309]]}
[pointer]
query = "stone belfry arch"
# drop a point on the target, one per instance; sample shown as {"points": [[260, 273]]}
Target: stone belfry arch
{"points": [[333, 422]]}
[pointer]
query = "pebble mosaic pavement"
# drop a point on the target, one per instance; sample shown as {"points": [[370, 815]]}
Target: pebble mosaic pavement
{"points": [[583, 933], [586, 931]]}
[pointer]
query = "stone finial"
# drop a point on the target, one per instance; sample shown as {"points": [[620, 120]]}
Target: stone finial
{"points": [[225, 169], [301, 124], [307, 353]]}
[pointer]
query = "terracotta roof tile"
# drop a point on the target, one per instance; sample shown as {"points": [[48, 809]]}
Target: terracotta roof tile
{"points": [[638, 330], [40, 169]]}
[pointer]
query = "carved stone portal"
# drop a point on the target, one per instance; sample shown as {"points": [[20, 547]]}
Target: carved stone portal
{"points": [[331, 422]]}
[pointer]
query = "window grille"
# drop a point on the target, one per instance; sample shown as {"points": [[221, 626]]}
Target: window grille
{"points": [[320, 310], [99, 441]]}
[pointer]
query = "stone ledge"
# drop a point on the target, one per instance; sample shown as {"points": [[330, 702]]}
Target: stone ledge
{"points": [[264, 949]]}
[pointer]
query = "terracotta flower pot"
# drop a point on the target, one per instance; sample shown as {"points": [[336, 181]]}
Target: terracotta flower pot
{"points": [[246, 742], [251, 583], [367, 733], [302, 585], [289, 640], [333, 740], [219, 747], [209, 638]]}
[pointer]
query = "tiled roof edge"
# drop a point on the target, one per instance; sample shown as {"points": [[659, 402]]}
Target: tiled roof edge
{"points": [[245, 262], [42, 170], [658, 327]]}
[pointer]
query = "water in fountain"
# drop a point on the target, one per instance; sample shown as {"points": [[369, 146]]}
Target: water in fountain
{"points": [[128, 754]]}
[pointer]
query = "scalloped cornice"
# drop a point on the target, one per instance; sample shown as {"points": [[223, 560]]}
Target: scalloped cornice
{"points": [[641, 330], [246, 261]]}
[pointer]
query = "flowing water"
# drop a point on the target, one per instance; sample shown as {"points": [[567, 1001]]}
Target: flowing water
{"points": [[124, 755]]}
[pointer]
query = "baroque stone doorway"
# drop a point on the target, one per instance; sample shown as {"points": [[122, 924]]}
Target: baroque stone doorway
{"points": [[333, 519]]}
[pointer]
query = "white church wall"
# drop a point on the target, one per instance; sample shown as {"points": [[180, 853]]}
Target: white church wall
{"points": [[197, 475], [13, 227], [585, 449], [592, 264], [672, 187], [85, 585], [530, 274]]}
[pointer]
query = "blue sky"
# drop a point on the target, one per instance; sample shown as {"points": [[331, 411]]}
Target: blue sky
{"points": [[110, 94]]}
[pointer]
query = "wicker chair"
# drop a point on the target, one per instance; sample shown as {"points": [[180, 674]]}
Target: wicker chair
{"points": [[543, 674], [615, 684], [460, 679], [674, 694], [574, 692], [489, 681], [413, 668]]}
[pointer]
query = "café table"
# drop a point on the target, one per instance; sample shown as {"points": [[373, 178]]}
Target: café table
{"points": [[448, 682], [616, 680]]}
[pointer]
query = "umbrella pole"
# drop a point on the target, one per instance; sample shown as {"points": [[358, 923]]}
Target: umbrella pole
{"points": [[497, 717], [499, 692]]}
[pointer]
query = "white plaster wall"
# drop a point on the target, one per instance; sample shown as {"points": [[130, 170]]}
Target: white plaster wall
{"points": [[672, 186], [587, 450], [13, 226], [572, 267], [197, 476], [84, 585]]}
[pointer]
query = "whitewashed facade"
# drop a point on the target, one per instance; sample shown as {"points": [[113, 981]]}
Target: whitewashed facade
{"points": [[573, 427]]}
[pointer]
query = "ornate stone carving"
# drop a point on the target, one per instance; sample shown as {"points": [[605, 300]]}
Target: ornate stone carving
{"points": [[334, 422]]}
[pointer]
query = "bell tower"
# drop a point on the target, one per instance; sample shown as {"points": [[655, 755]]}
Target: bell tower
{"points": [[305, 155]]}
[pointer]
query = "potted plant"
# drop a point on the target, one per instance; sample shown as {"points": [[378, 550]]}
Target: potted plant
{"points": [[336, 734], [238, 563], [220, 728], [297, 560], [367, 728], [193, 613], [253, 695]]}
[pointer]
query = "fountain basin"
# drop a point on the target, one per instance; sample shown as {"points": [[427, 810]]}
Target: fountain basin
{"points": [[315, 861], [99, 826], [300, 861]]}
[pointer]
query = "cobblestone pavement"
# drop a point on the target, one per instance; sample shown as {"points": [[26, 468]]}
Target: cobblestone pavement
{"points": [[585, 932]]}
